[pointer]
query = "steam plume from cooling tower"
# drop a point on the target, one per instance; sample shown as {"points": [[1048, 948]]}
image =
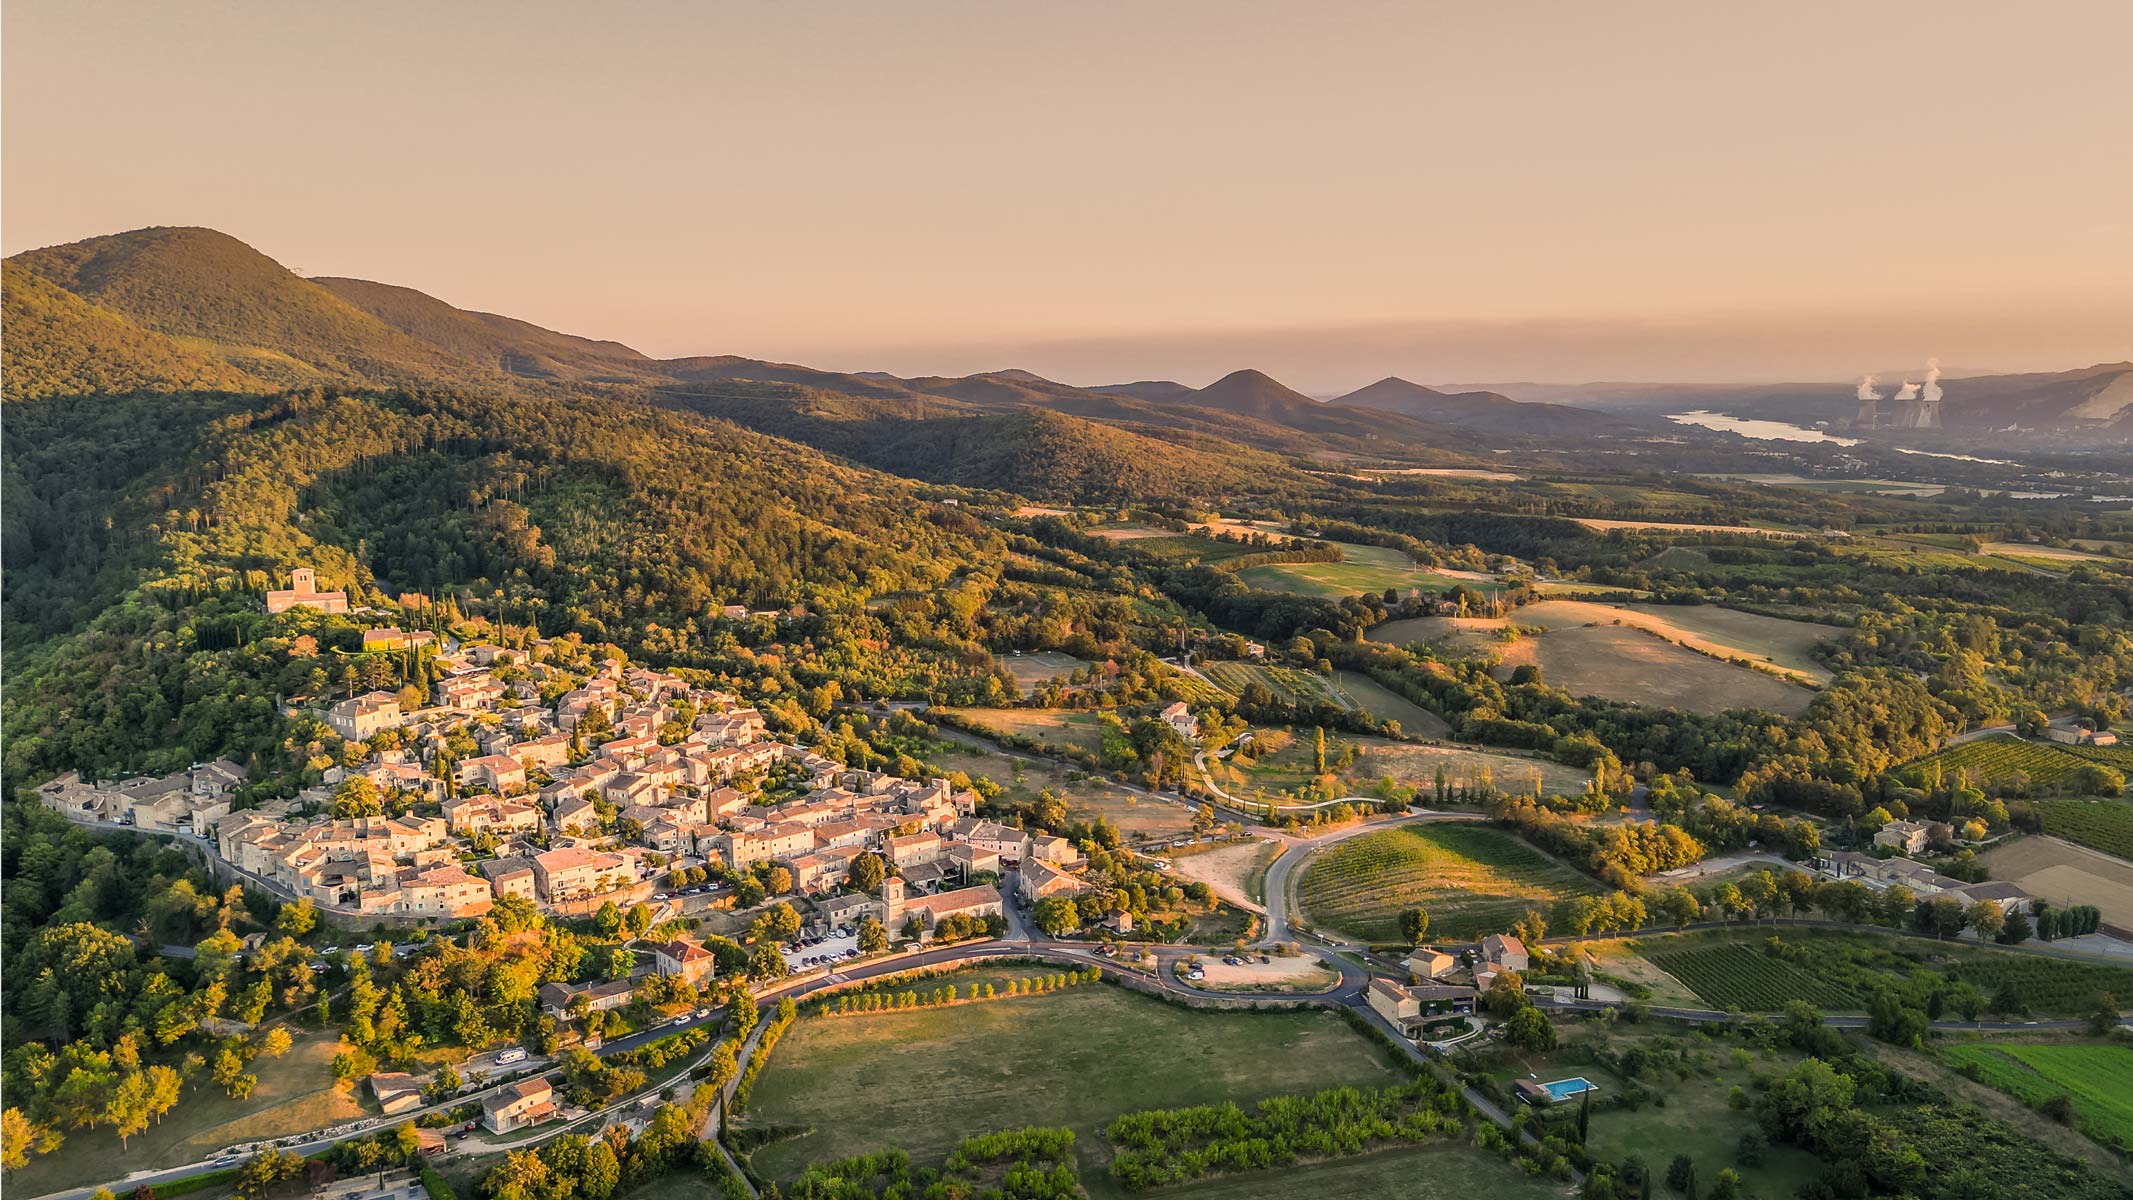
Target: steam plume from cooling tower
{"points": [[1932, 388], [1866, 389]]}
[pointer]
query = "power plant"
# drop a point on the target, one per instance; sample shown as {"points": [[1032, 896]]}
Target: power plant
{"points": [[1869, 406], [1916, 405]]}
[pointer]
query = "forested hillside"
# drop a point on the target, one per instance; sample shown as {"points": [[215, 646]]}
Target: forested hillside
{"points": [[1037, 452], [59, 344], [601, 518]]}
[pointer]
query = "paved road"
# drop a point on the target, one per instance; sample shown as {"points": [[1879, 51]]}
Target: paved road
{"points": [[1298, 851]]}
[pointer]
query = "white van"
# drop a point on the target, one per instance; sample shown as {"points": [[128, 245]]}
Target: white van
{"points": [[505, 1058]]}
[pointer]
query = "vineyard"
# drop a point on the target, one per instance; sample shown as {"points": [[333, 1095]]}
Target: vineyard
{"points": [[2050, 986], [2098, 1079], [1838, 970], [2117, 757], [1740, 975], [1472, 880], [2049, 766], [2105, 825], [1288, 684]]}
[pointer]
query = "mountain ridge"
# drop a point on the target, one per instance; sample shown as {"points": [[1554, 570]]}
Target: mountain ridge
{"points": [[1479, 409]]}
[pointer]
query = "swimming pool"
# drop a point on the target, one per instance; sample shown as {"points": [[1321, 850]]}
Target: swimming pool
{"points": [[1564, 1089]]}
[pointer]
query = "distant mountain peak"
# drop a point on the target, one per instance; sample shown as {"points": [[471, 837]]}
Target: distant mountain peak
{"points": [[1254, 392], [1018, 375]]}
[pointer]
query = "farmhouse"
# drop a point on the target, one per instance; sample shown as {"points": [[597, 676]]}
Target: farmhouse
{"points": [[1905, 837], [525, 1103], [1505, 949], [1180, 718], [396, 1092], [1429, 963], [2008, 896]]}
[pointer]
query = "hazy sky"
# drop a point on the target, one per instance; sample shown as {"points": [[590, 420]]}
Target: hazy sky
{"points": [[1100, 191]]}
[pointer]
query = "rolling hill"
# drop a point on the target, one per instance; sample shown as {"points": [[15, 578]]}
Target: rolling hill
{"points": [[1490, 411], [501, 344], [230, 302]]}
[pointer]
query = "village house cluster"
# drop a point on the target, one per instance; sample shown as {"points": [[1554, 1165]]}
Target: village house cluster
{"points": [[579, 801], [1912, 837], [1436, 993]]}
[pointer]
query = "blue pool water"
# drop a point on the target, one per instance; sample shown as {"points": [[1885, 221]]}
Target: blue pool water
{"points": [[1564, 1089]]}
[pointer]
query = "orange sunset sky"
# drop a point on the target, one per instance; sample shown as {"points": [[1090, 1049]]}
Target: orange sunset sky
{"points": [[1096, 191]]}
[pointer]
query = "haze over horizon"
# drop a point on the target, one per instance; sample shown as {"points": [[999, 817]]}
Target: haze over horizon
{"points": [[1114, 192]]}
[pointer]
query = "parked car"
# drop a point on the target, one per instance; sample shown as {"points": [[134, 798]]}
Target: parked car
{"points": [[505, 1058], [683, 1019]]}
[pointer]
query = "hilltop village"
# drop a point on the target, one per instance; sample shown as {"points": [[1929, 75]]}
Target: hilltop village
{"points": [[514, 775]]}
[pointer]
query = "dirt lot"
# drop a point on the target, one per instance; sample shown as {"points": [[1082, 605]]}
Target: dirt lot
{"points": [[2064, 873], [1236, 872], [1300, 973]]}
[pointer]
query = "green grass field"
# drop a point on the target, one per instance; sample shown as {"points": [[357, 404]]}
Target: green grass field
{"points": [[1695, 1119], [1386, 705], [1361, 569], [1472, 880], [925, 1079], [1034, 668], [2098, 1079], [1064, 728]]}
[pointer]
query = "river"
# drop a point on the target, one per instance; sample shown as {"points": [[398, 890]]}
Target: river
{"points": [[1767, 431]]}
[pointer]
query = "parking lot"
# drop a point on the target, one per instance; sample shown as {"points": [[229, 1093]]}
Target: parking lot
{"points": [[696, 900], [826, 948]]}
